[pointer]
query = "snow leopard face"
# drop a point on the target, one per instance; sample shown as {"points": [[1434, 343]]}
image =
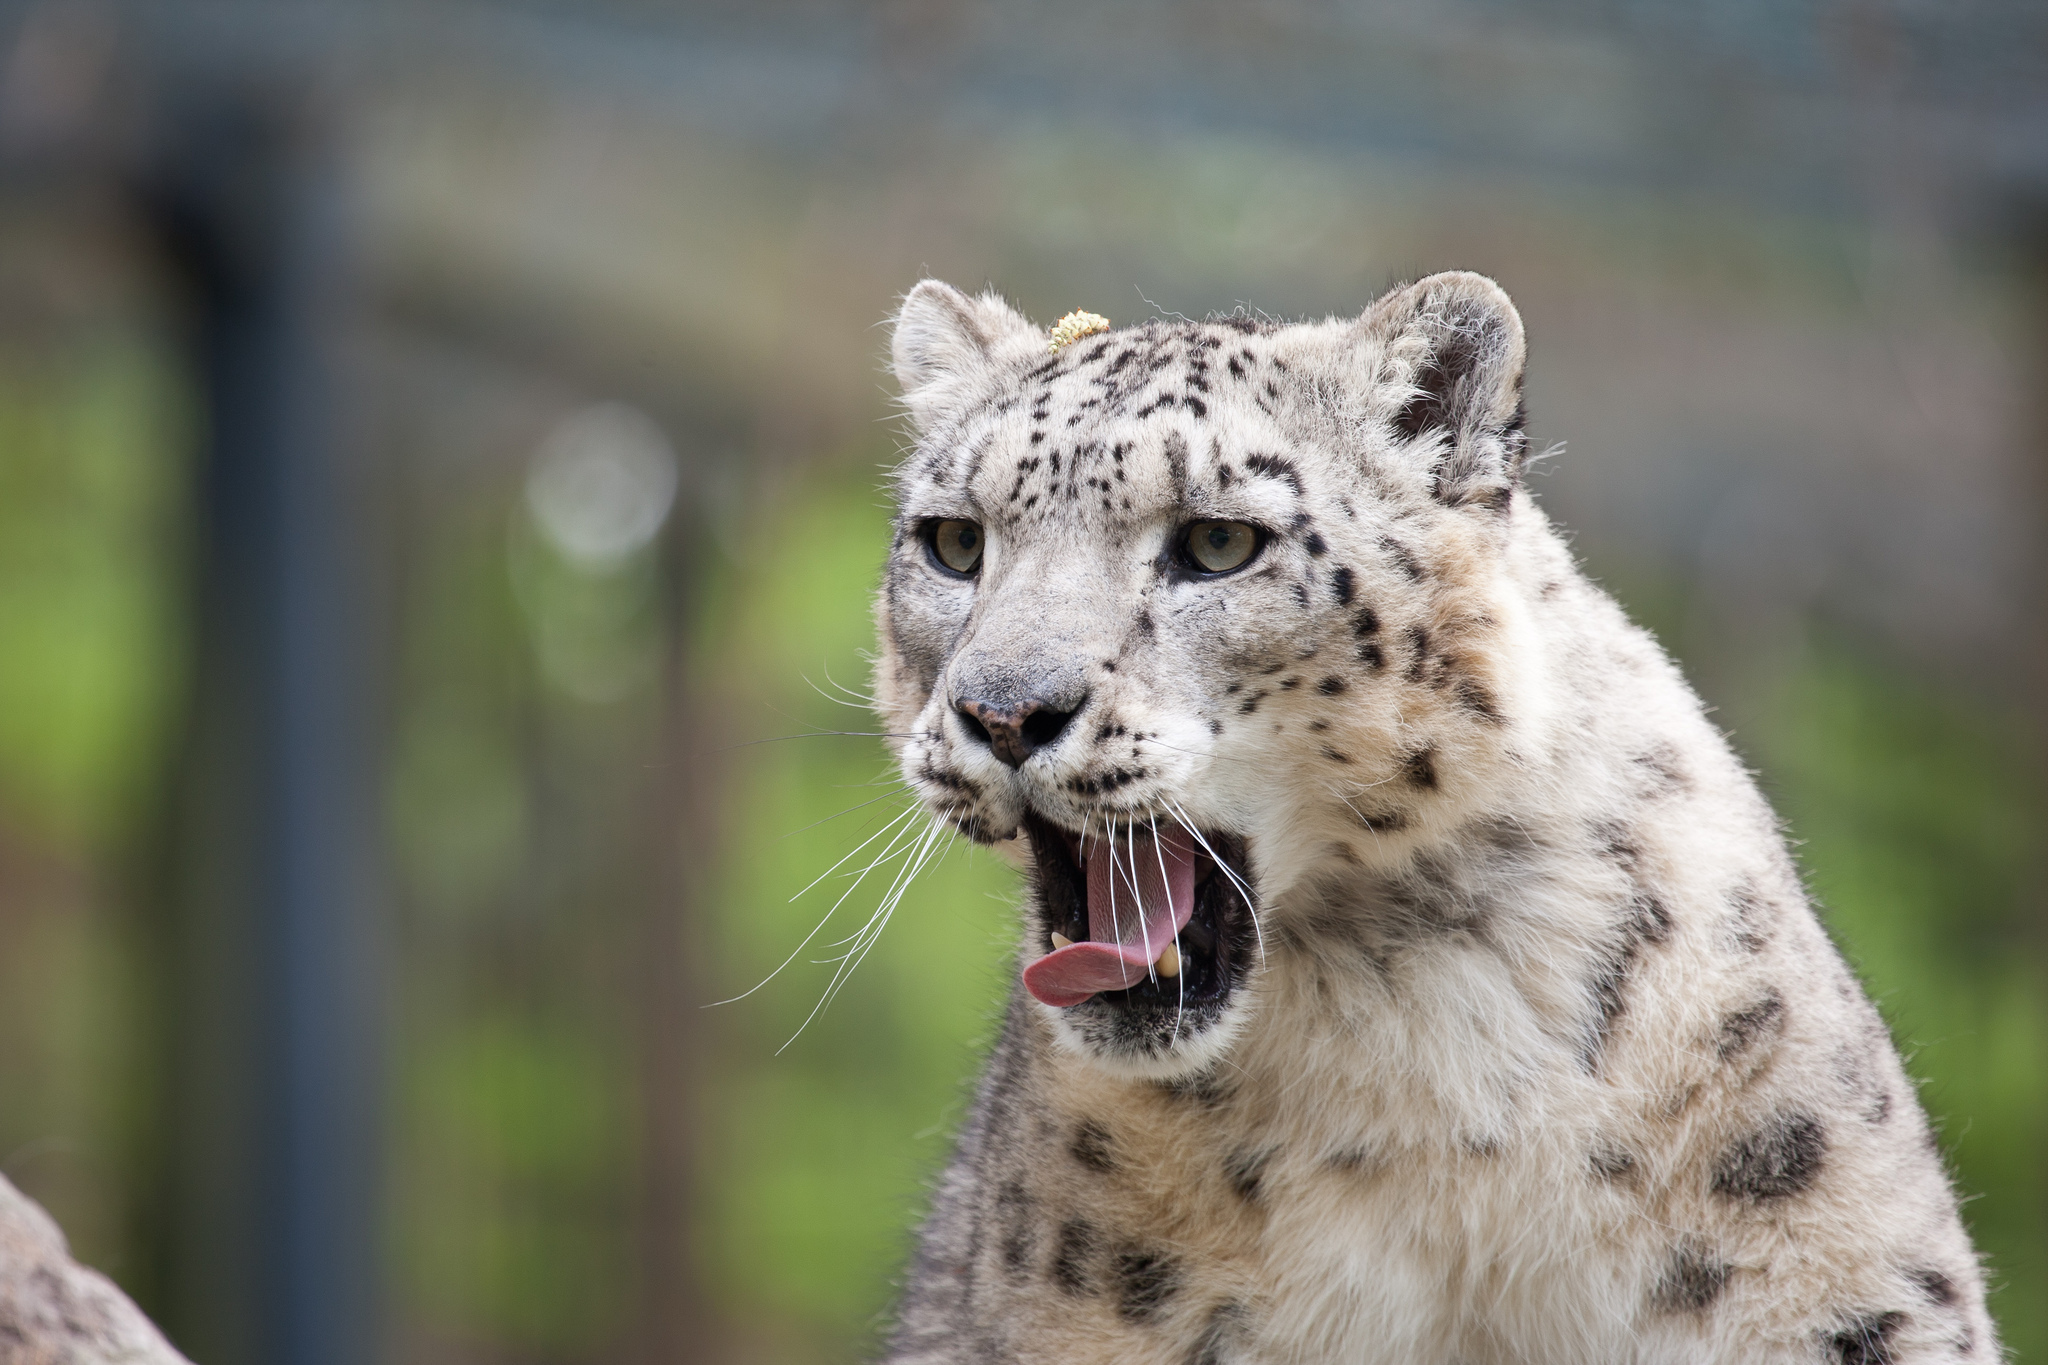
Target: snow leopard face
{"points": [[1193, 610]]}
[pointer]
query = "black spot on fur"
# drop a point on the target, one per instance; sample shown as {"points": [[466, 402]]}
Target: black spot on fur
{"points": [[1938, 1287], [1868, 1340], [1274, 467], [1246, 1168], [1477, 700], [1331, 685], [1741, 1029], [1780, 1159], [1072, 1255], [1645, 921], [1335, 756], [1750, 919], [1341, 585], [1301, 595], [1618, 844], [1403, 557], [1418, 642], [1315, 544], [1146, 1279], [1013, 1208], [1195, 405], [1663, 770], [1692, 1280], [1093, 1147], [1369, 654], [1611, 1163], [1420, 768], [1366, 622]]}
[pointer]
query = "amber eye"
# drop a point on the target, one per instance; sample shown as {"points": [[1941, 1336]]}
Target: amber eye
{"points": [[957, 545], [1220, 546]]}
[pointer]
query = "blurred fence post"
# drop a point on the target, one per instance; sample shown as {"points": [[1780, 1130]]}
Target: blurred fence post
{"points": [[272, 1247], [674, 1318]]}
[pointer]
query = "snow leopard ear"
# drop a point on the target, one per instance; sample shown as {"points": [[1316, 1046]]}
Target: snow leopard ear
{"points": [[1448, 381], [945, 341]]}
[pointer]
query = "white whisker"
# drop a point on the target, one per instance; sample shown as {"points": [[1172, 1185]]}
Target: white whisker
{"points": [[1250, 901]]}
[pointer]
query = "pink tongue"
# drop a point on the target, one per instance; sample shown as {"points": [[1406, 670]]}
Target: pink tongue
{"points": [[1127, 925]]}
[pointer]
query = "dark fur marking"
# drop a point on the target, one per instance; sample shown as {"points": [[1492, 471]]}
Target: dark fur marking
{"points": [[1420, 768], [1146, 1279], [1013, 1205], [1691, 1282], [1071, 1255], [1751, 928], [1418, 641], [1477, 700], [1369, 654], [1315, 544], [1334, 756], [1663, 769], [1741, 1029], [1301, 595], [1251, 703], [1274, 467], [1366, 622], [1867, 1340], [1611, 1163], [1780, 1159], [1938, 1287], [1093, 1147], [1646, 921], [1332, 685], [1246, 1168], [1403, 557], [1341, 585]]}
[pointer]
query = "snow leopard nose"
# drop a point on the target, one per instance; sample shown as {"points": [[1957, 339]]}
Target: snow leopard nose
{"points": [[1014, 733]]}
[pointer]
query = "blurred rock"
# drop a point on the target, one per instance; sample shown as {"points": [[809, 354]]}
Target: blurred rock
{"points": [[54, 1311]]}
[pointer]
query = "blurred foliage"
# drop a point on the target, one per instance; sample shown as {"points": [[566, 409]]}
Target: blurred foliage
{"points": [[93, 501], [825, 1125]]}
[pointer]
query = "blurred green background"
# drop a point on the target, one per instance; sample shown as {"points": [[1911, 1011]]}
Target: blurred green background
{"points": [[613, 780]]}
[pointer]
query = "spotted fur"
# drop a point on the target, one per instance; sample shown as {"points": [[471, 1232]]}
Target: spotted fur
{"points": [[1535, 1051]]}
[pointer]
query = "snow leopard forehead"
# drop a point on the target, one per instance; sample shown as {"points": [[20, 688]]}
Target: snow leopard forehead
{"points": [[1118, 429]]}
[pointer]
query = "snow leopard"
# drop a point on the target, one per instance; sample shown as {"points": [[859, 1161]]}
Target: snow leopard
{"points": [[1408, 970]]}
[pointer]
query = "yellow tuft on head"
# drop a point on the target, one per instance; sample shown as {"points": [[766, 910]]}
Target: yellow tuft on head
{"points": [[1073, 327]]}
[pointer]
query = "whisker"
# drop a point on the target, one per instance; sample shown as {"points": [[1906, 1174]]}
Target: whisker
{"points": [[827, 917], [1250, 901], [1180, 978], [905, 814], [871, 932], [819, 734], [895, 789]]}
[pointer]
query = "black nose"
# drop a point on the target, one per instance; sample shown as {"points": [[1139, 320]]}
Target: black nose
{"points": [[1013, 733]]}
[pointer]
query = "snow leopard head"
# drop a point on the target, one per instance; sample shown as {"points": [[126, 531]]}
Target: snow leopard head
{"points": [[1185, 612]]}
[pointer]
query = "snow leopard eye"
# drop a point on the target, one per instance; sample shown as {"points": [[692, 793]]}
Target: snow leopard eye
{"points": [[955, 546], [1220, 546]]}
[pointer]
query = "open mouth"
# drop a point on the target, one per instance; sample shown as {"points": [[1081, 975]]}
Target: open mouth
{"points": [[1140, 920]]}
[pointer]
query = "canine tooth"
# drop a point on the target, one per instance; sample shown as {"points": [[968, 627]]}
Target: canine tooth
{"points": [[1169, 961], [1061, 941]]}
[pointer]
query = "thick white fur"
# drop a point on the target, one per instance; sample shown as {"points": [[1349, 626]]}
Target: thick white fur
{"points": [[1546, 1057]]}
